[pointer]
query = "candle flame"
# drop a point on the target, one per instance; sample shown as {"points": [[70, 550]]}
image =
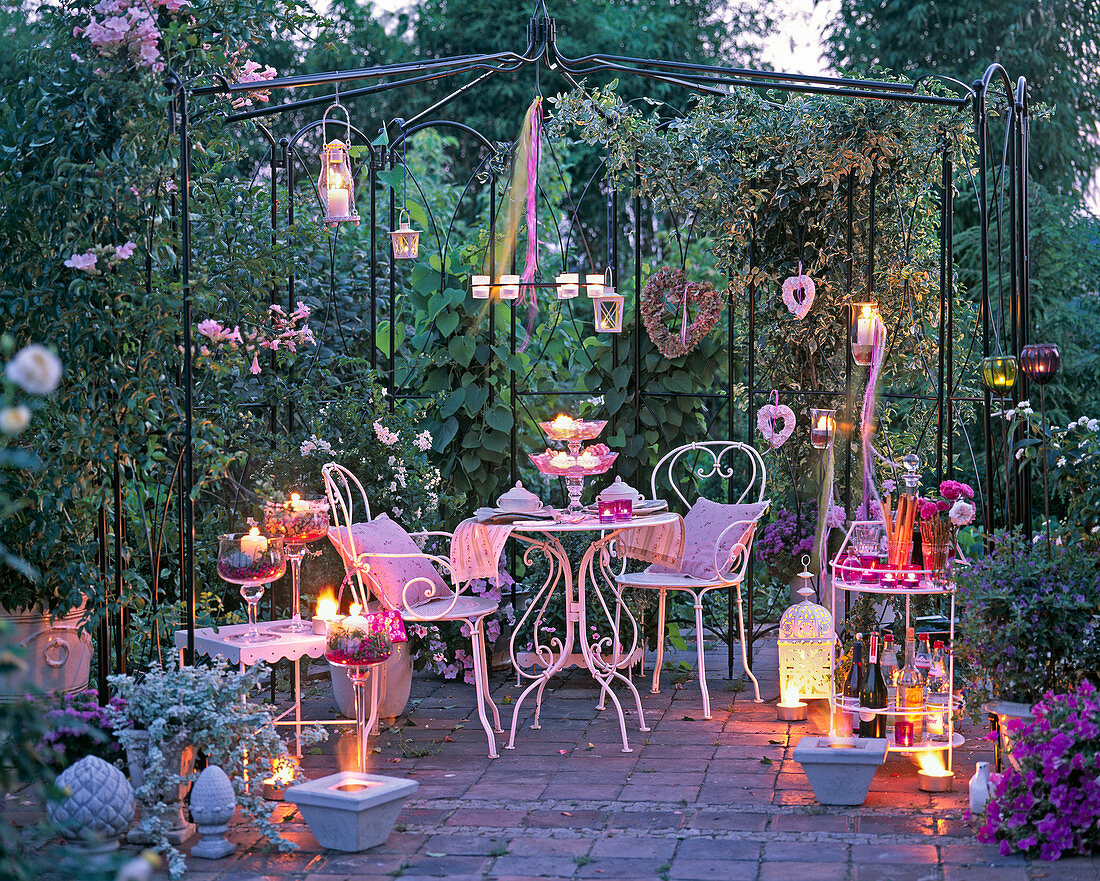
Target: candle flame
{"points": [[295, 497], [255, 530], [865, 310], [284, 770], [823, 423], [563, 422], [326, 605], [931, 762], [356, 608]]}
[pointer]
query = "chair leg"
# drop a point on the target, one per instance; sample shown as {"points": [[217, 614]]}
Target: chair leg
{"points": [[485, 680], [700, 656], [744, 653], [477, 645], [656, 689]]}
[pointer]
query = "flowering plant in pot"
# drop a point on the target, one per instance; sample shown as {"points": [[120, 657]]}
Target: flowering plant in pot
{"points": [[169, 711], [1050, 805]]}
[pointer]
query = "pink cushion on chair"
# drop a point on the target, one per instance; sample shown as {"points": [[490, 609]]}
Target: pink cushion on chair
{"points": [[703, 525], [385, 536]]}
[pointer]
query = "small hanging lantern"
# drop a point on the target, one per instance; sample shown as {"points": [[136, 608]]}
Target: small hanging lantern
{"points": [[999, 373], [822, 428], [1040, 362], [866, 326], [805, 652], [509, 287], [607, 305], [406, 240], [335, 184], [479, 286], [568, 285]]}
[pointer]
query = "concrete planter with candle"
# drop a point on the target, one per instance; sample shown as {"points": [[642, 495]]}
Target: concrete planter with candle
{"points": [[351, 811]]}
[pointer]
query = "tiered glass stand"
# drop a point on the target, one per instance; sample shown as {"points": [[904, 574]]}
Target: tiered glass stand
{"points": [[574, 466], [907, 583]]}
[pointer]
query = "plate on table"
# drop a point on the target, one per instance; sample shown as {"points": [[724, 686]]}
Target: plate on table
{"points": [[638, 509], [504, 516]]}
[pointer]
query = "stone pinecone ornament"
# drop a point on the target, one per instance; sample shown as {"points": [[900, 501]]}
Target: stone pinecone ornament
{"points": [[99, 805]]}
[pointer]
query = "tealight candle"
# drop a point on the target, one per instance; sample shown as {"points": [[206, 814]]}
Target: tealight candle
{"points": [[337, 202], [607, 511], [253, 545], [327, 612], [624, 509]]}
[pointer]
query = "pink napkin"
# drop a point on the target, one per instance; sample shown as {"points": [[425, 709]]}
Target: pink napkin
{"points": [[476, 549], [662, 543]]}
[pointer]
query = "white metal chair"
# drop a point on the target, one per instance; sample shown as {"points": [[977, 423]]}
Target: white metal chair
{"points": [[455, 605], [697, 462]]}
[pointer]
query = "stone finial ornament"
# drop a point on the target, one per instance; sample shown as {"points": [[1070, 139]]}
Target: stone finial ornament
{"points": [[213, 803]]}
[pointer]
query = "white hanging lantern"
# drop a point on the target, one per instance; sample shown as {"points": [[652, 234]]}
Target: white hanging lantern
{"points": [[609, 308], [509, 287], [406, 240], [336, 186], [568, 285], [805, 652], [479, 286]]}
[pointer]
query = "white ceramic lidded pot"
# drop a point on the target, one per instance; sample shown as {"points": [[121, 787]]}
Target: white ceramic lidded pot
{"points": [[619, 491], [519, 500]]}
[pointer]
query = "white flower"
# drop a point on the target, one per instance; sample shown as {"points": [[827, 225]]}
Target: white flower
{"points": [[424, 441], [1025, 405], [961, 513], [1092, 425], [315, 446], [1019, 454], [1095, 530], [384, 434], [1061, 463], [14, 420], [35, 369]]}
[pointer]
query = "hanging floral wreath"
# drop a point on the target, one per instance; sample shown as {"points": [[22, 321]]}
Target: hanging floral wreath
{"points": [[668, 291], [799, 292]]}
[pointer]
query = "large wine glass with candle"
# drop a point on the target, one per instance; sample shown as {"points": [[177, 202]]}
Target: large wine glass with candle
{"points": [[251, 560], [357, 643], [299, 520]]}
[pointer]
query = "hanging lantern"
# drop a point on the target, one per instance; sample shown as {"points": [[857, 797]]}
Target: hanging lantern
{"points": [[509, 287], [479, 286], [406, 240], [568, 285], [336, 186], [609, 311], [866, 326], [999, 373], [822, 428], [595, 285], [805, 652], [1040, 362]]}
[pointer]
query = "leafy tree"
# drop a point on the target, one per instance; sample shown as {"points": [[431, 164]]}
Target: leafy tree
{"points": [[1054, 44]]}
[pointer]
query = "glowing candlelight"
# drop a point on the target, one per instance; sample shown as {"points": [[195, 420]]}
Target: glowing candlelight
{"points": [[253, 545]]}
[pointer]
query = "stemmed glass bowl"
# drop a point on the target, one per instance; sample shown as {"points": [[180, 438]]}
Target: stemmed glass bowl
{"points": [[251, 560]]}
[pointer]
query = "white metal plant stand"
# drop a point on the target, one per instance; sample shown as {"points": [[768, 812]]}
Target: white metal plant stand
{"points": [[604, 659]]}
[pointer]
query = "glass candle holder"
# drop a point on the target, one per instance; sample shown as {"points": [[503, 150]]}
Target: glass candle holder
{"points": [[606, 510], [822, 428], [299, 520], [865, 332], [252, 561], [624, 509]]}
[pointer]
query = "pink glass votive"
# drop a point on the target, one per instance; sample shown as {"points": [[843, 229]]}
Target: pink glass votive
{"points": [[889, 578], [869, 564], [624, 509], [912, 574], [606, 511]]}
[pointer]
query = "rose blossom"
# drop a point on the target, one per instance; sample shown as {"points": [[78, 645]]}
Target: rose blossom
{"points": [[34, 369], [14, 420], [961, 513]]}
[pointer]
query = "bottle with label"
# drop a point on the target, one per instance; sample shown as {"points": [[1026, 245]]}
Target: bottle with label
{"points": [[923, 657], [937, 694], [847, 723], [890, 669], [872, 699], [908, 726]]}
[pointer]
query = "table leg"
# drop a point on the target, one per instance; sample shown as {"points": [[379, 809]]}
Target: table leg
{"points": [[298, 706]]}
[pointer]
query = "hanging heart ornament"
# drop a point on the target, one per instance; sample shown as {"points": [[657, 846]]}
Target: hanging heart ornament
{"points": [[668, 292], [765, 422], [798, 293]]}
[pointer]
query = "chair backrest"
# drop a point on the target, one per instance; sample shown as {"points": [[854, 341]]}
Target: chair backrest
{"points": [[694, 463], [341, 501]]}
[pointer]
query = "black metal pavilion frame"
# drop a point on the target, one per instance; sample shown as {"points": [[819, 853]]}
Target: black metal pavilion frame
{"points": [[992, 181]]}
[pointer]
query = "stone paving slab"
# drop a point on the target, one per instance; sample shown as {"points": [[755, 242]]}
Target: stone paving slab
{"points": [[694, 800]]}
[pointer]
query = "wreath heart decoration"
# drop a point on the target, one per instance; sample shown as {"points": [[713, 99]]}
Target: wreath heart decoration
{"points": [[765, 422], [668, 291], [799, 292]]}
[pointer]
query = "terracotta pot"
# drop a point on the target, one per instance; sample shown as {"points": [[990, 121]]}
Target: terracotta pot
{"points": [[58, 654], [395, 686], [179, 757]]}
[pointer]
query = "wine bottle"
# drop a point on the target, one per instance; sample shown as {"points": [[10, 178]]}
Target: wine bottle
{"points": [[908, 726], [923, 658], [872, 698], [852, 687], [889, 665]]}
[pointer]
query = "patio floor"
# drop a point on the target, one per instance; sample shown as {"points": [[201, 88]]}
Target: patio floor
{"points": [[719, 799]]}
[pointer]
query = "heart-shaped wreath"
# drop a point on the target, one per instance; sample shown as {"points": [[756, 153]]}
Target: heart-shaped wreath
{"points": [[765, 423], [668, 291], [798, 293]]}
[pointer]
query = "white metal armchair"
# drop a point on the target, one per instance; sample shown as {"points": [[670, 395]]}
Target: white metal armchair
{"points": [[387, 564], [719, 540]]}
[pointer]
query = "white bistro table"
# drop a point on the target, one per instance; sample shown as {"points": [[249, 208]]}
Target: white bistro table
{"points": [[281, 646], [593, 586]]}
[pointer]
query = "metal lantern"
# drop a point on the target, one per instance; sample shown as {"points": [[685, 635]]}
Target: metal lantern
{"points": [[479, 286], [335, 185], [822, 428], [609, 311], [568, 285], [806, 640], [509, 287], [1040, 362], [999, 373], [865, 330], [406, 240]]}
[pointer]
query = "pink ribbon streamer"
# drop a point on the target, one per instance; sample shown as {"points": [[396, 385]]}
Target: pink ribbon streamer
{"points": [[533, 148]]}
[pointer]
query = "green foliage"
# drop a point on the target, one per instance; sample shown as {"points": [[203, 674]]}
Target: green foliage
{"points": [[1053, 45]]}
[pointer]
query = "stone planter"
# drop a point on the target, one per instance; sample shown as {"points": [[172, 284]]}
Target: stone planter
{"points": [[350, 811], [179, 758], [58, 654], [840, 769], [394, 687], [1004, 712]]}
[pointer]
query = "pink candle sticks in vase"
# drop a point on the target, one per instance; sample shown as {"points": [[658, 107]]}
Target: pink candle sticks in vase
{"points": [[576, 464]]}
